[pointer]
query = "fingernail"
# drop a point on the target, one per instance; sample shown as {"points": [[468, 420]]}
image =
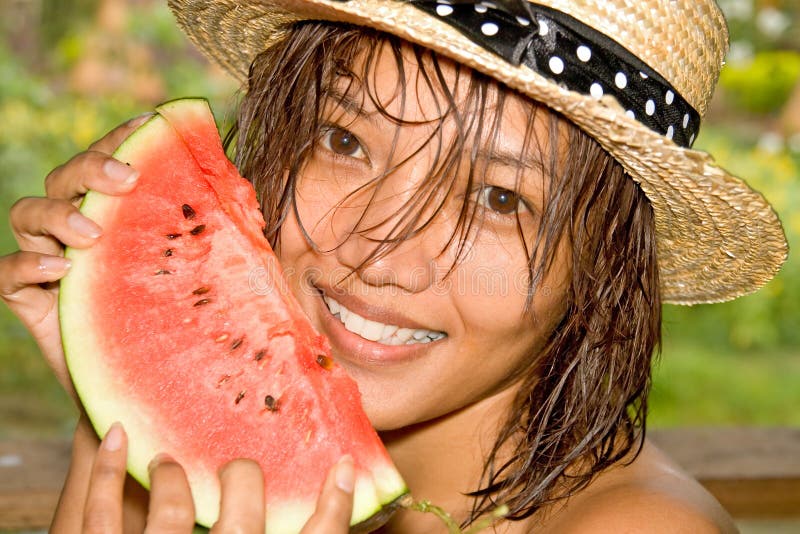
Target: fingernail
{"points": [[84, 226], [120, 172], [141, 119], [114, 437], [54, 264], [158, 459], [345, 474]]}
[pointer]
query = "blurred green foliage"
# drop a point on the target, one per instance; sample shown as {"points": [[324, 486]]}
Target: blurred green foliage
{"points": [[706, 384], [52, 121], [759, 25], [82, 68], [763, 83]]}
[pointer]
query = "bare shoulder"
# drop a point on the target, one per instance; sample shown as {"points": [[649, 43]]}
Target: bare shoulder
{"points": [[651, 495]]}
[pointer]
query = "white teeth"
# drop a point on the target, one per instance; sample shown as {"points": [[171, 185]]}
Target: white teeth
{"points": [[354, 322], [372, 330], [386, 334], [332, 305], [404, 334], [388, 331]]}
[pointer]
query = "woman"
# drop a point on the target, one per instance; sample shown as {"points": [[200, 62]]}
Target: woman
{"points": [[526, 219]]}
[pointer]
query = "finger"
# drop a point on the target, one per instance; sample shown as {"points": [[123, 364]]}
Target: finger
{"points": [[103, 512], [242, 500], [171, 506], [335, 503], [90, 170], [20, 274], [44, 224], [23, 269], [95, 168]]}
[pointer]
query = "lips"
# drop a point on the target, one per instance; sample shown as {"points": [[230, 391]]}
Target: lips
{"points": [[383, 333]]}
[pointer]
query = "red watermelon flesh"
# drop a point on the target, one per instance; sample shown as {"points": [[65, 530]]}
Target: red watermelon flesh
{"points": [[179, 323]]}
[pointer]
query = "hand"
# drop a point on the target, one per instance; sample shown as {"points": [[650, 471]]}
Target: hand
{"points": [[171, 508], [42, 227]]}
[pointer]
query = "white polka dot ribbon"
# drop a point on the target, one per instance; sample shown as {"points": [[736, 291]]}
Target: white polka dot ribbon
{"points": [[574, 56]]}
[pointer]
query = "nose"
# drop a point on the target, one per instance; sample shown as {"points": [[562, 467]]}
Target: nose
{"points": [[369, 247], [410, 265]]}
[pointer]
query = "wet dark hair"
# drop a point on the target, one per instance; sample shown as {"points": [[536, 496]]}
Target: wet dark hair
{"points": [[582, 403]]}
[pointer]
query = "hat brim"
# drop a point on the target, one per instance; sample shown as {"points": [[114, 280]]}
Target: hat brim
{"points": [[717, 238]]}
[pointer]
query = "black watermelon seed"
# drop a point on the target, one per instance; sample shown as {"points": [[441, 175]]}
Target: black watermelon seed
{"points": [[259, 355], [201, 302], [188, 211], [173, 236], [237, 343], [197, 229], [324, 362], [201, 290], [162, 271], [168, 252], [271, 403], [239, 397]]}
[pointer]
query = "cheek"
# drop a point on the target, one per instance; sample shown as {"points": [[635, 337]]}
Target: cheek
{"points": [[292, 242], [491, 297], [325, 205], [313, 209]]}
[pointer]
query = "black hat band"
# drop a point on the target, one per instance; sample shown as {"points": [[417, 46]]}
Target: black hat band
{"points": [[572, 55]]}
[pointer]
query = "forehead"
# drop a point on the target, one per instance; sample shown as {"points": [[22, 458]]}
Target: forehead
{"points": [[422, 89]]}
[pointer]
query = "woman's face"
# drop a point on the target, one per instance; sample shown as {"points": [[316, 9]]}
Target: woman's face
{"points": [[421, 340]]}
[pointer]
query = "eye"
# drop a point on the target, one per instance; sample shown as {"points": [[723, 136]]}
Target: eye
{"points": [[342, 142], [501, 200]]}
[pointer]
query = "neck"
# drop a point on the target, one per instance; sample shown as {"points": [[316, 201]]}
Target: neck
{"points": [[442, 460]]}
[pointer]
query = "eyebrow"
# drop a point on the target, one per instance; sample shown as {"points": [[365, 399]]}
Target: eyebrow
{"points": [[510, 159], [349, 104]]}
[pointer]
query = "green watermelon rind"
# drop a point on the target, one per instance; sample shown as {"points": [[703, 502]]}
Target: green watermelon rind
{"points": [[375, 497], [91, 380]]}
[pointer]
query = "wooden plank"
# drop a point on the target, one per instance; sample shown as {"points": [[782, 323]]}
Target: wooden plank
{"points": [[31, 475], [754, 472]]}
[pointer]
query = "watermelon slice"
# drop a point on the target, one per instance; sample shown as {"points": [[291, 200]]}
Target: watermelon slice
{"points": [[179, 323]]}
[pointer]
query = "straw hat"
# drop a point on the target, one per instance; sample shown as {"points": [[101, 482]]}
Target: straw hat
{"points": [[637, 75]]}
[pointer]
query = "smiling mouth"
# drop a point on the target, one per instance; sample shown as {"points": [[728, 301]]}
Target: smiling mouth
{"points": [[385, 334]]}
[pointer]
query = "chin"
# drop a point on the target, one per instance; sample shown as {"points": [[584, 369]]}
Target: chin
{"points": [[389, 406]]}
